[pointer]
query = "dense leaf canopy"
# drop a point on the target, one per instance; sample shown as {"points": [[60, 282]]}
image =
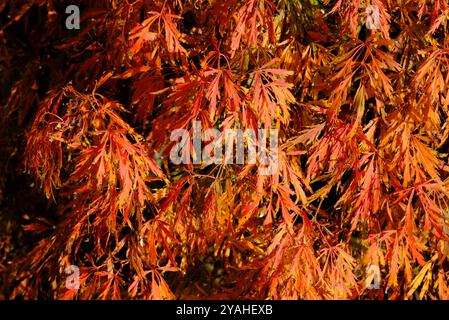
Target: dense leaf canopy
{"points": [[360, 194]]}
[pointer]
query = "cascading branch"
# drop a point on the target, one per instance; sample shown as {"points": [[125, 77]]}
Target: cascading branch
{"points": [[362, 182]]}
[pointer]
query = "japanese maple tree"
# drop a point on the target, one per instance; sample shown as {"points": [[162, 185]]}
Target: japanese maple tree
{"points": [[360, 195]]}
